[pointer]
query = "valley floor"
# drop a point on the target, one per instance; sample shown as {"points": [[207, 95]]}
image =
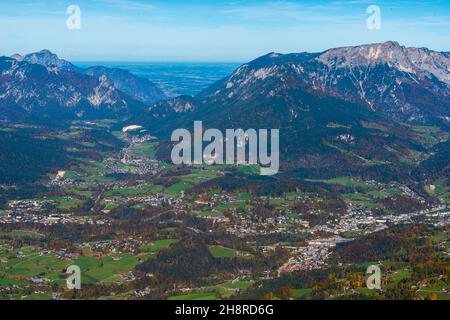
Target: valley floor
{"points": [[139, 228]]}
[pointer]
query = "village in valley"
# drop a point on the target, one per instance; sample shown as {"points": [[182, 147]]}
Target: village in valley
{"points": [[114, 211]]}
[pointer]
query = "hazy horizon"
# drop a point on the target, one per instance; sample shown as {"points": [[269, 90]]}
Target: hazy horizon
{"points": [[193, 61]]}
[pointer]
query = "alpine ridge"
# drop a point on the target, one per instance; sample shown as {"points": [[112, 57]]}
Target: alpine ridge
{"points": [[136, 88], [328, 106]]}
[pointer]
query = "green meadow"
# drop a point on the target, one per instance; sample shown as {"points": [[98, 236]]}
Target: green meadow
{"points": [[224, 252], [17, 266], [223, 290]]}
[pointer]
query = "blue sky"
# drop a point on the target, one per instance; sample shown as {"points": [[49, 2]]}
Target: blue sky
{"points": [[188, 30]]}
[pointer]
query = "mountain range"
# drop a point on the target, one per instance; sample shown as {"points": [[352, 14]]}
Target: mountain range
{"points": [[347, 110], [42, 86], [405, 84]]}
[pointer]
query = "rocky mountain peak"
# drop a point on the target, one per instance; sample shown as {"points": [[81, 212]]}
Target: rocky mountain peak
{"points": [[140, 89], [408, 84], [49, 60], [418, 61], [17, 57]]}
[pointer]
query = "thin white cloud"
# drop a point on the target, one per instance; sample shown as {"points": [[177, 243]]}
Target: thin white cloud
{"points": [[129, 4], [117, 29]]}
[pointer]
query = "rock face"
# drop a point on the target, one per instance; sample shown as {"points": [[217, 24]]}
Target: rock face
{"points": [[406, 84], [50, 60], [401, 84], [35, 92], [140, 89], [178, 105], [329, 106], [418, 61], [411, 84], [17, 57]]}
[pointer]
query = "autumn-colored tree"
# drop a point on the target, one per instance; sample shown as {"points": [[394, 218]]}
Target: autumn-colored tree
{"points": [[268, 296], [432, 296], [286, 293], [218, 295]]}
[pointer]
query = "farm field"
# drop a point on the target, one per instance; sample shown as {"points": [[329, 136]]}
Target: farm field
{"points": [[18, 267]]}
